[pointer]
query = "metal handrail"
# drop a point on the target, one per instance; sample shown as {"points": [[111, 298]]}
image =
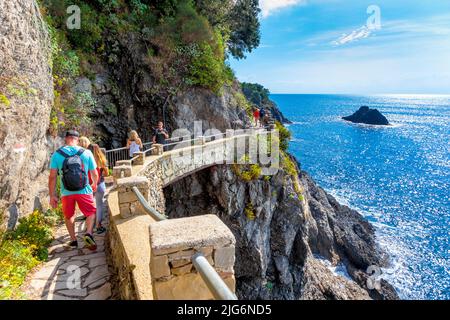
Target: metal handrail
{"points": [[117, 154], [117, 149], [179, 138], [150, 210], [214, 282]]}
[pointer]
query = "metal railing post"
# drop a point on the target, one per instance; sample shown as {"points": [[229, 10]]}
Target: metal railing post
{"points": [[151, 211], [213, 281]]}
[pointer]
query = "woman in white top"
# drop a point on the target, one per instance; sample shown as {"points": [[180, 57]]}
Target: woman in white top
{"points": [[134, 143]]}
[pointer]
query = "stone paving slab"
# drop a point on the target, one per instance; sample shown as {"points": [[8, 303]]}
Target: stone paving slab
{"points": [[71, 274]]}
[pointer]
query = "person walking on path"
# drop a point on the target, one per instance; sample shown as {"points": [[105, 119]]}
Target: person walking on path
{"points": [[134, 143], [84, 142], [262, 116], [160, 134], [73, 164], [256, 115], [102, 171]]}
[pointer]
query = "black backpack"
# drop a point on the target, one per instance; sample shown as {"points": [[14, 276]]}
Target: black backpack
{"points": [[74, 178]]}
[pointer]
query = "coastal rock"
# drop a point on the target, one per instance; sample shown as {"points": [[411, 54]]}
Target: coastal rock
{"points": [[276, 252], [26, 97], [367, 116]]}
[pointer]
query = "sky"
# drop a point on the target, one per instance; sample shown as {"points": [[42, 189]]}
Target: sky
{"points": [[351, 47]]}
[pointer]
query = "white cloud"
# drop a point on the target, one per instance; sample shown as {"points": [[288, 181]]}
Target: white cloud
{"points": [[269, 6], [360, 33]]}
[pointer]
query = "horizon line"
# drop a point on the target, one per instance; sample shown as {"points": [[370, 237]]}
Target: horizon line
{"points": [[364, 94]]}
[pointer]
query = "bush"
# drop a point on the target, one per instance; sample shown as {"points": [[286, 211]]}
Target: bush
{"points": [[244, 104], [288, 165], [4, 100], [285, 135], [34, 233], [23, 249], [206, 70], [249, 212], [291, 169], [246, 172], [16, 260]]}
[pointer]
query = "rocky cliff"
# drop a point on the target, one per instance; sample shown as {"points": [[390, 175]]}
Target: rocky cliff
{"points": [[123, 89], [290, 246], [26, 96], [284, 239]]}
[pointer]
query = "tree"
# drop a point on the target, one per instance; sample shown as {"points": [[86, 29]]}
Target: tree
{"points": [[244, 26], [255, 93], [237, 20]]}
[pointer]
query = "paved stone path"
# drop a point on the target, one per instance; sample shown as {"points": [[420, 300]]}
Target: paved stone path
{"points": [[72, 274]]}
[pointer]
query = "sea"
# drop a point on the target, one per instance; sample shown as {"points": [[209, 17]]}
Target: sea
{"points": [[397, 177]]}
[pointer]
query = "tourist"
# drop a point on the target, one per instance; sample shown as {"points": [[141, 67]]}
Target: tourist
{"points": [[262, 116], [84, 142], [256, 117], [160, 134], [73, 163], [102, 170], [134, 143]]}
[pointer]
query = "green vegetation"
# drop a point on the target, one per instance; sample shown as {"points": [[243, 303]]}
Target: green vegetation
{"points": [[24, 248], [255, 93], [244, 103], [285, 135], [290, 168], [70, 109], [249, 212], [4, 100], [16, 260], [187, 43], [246, 172]]}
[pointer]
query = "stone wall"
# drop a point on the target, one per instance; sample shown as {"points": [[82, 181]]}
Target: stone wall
{"points": [[175, 242], [129, 250]]}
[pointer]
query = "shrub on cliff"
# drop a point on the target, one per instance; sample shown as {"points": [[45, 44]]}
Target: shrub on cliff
{"points": [[245, 171], [34, 233], [208, 69], [16, 260], [284, 134], [23, 248]]}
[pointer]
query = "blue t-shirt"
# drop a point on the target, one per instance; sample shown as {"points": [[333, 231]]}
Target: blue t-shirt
{"points": [[56, 162]]}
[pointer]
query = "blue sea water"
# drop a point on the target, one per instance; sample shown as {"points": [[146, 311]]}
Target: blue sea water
{"points": [[398, 177]]}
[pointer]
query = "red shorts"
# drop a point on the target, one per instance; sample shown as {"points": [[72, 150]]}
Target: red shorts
{"points": [[85, 204]]}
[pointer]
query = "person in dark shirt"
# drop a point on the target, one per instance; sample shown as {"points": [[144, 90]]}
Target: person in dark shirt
{"points": [[262, 113], [160, 134]]}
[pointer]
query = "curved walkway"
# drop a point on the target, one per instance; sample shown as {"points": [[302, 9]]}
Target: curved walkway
{"points": [[72, 274]]}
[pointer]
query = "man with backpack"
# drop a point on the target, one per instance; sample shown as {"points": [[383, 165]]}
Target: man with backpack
{"points": [[73, 164]]}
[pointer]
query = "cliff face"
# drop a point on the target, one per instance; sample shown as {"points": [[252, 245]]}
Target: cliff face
{"points": [[259, 96], [125, 98], [26, 95], [278, 250], [286, 250]]}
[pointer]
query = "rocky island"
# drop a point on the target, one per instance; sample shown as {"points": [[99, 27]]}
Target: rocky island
{"points": [[106, 79], [368, 116]]}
